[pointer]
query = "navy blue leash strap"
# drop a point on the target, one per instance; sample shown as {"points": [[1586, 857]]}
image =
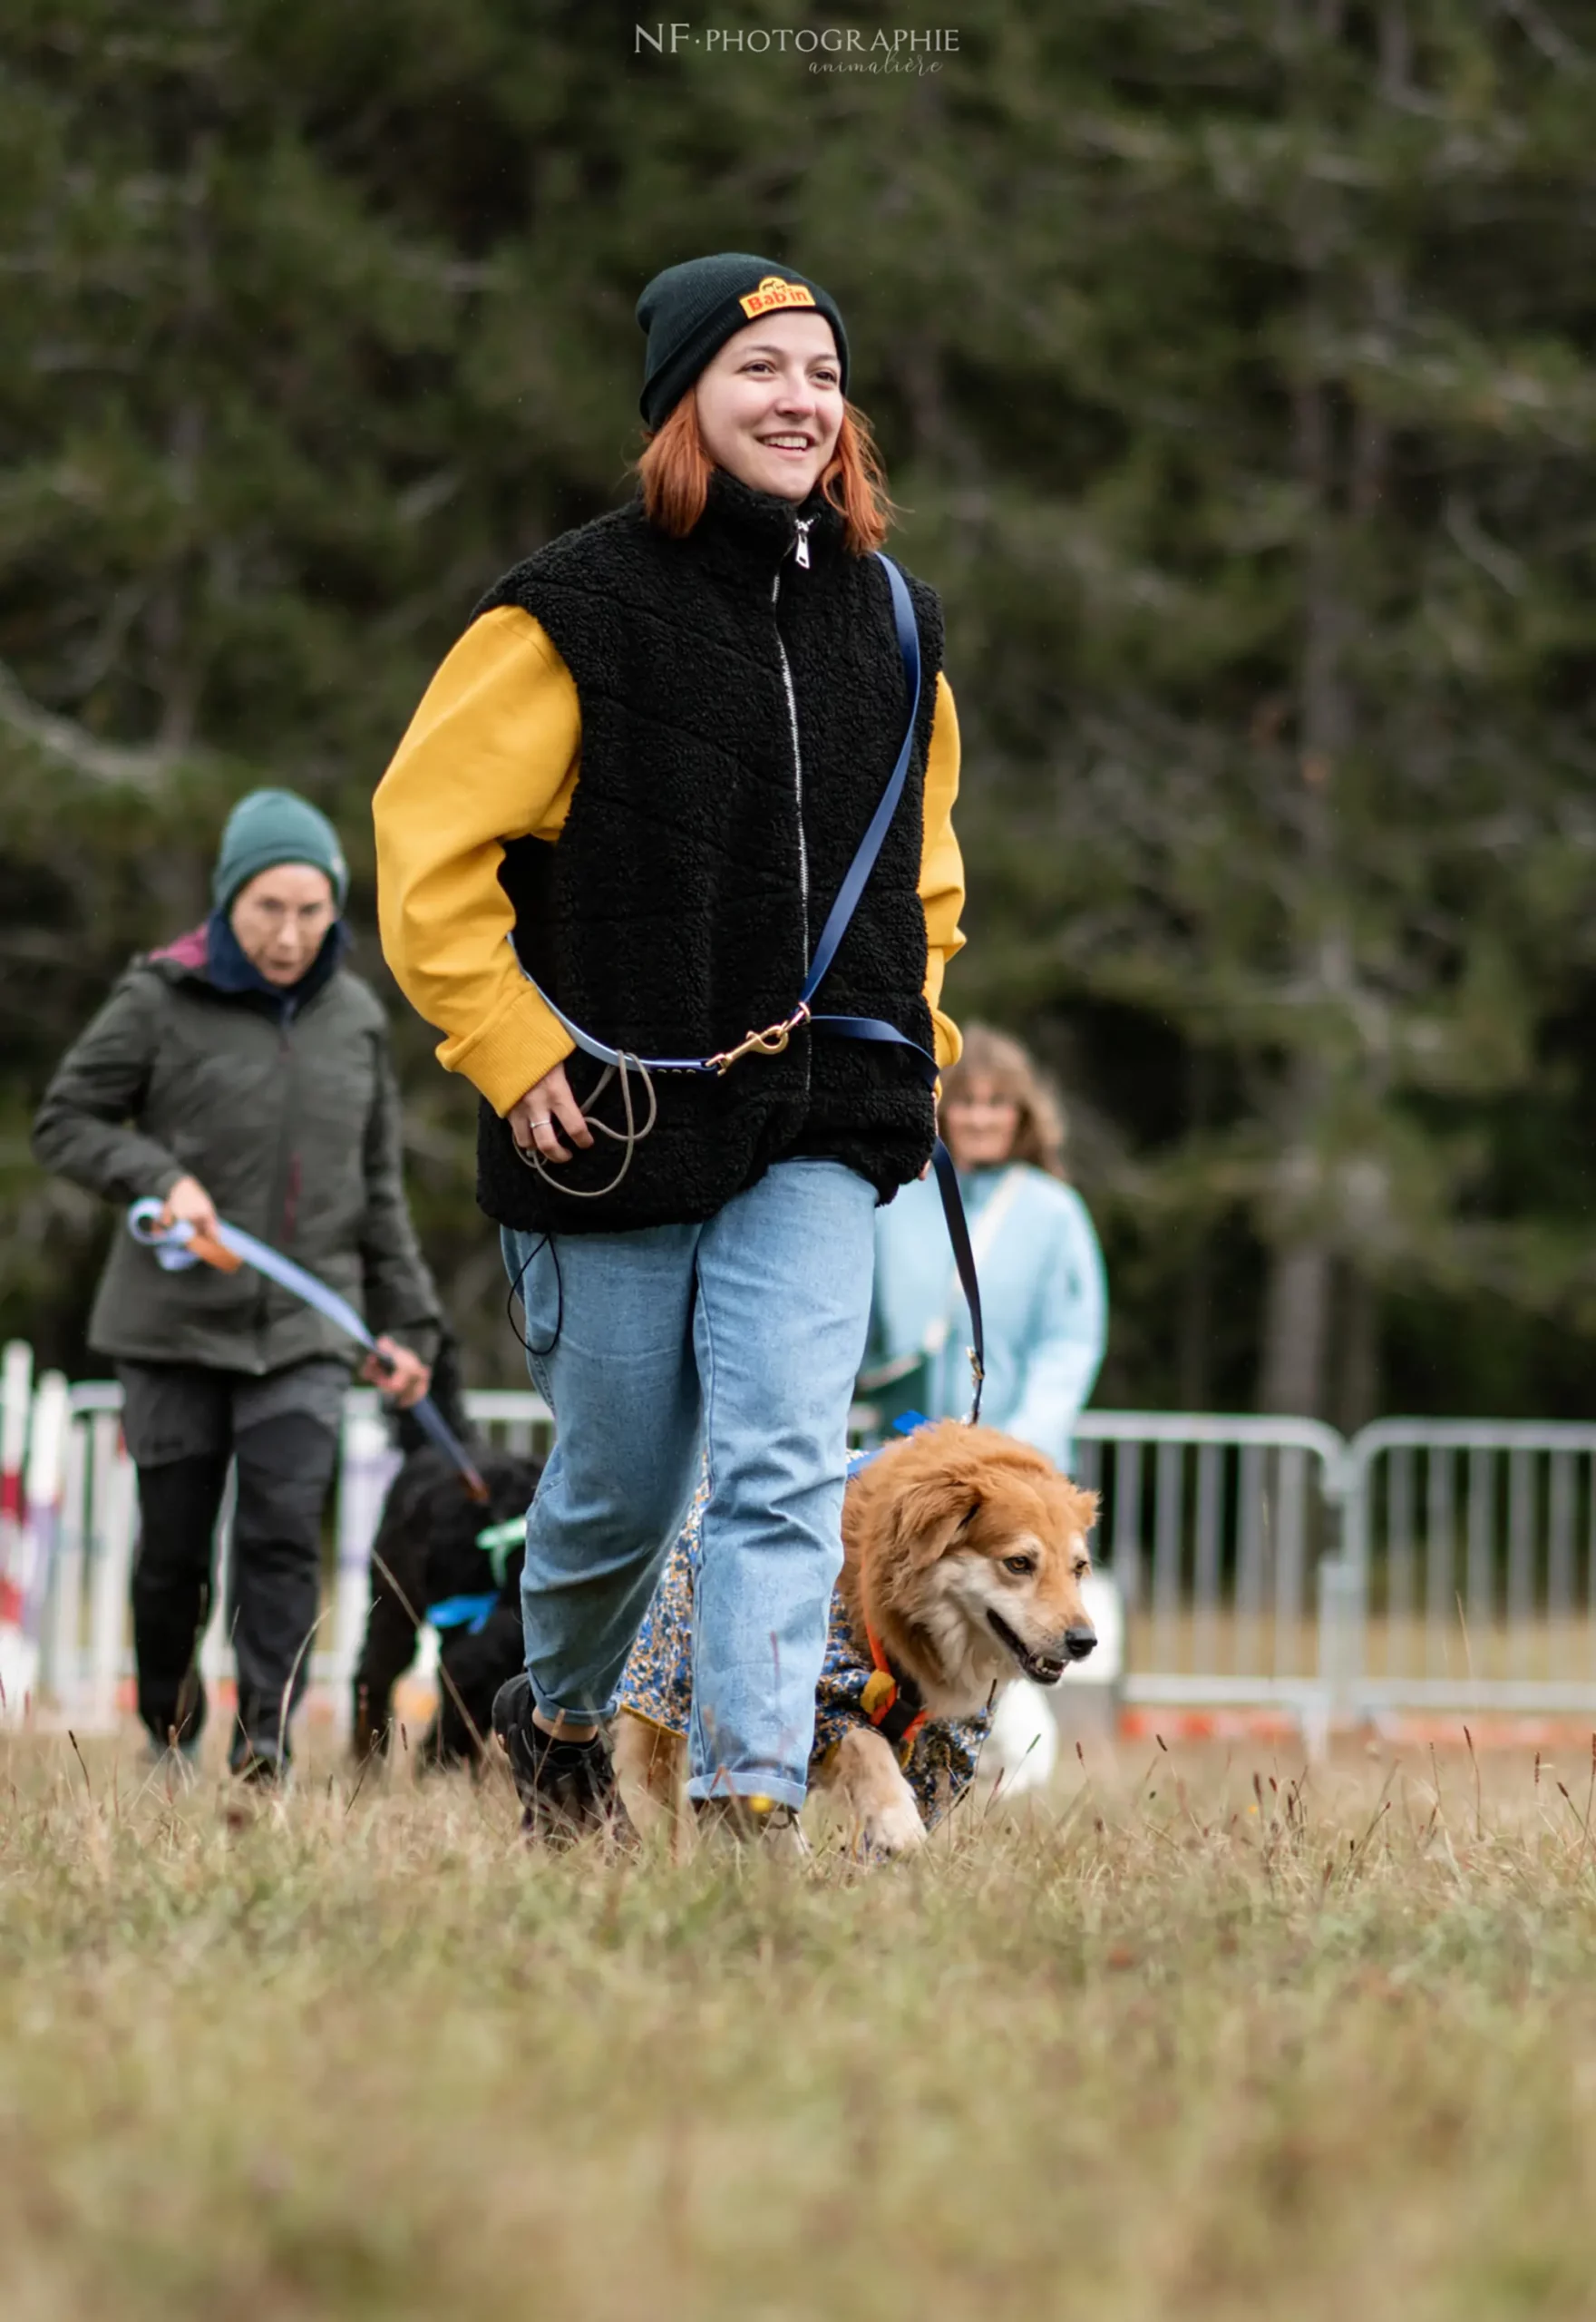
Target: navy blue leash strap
{"points": [[964, 1258], [870, 846]]}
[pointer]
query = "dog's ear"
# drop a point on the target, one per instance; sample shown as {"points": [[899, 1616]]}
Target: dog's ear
{"points": [[1084, 1507], [510, 1479], [929, 1515]]}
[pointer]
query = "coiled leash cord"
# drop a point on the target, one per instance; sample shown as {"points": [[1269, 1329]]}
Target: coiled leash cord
{"points": [[619, 1064], [631, 1136], [179, 1244]]}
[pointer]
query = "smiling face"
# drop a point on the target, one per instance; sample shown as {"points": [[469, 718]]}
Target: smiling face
{"points": [[979, 1122], [972, 1551], [770, 404], [281, 919]]}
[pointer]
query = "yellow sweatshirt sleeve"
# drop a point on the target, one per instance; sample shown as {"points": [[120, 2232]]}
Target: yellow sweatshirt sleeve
{"points": [[492, 755], [941, 867]]}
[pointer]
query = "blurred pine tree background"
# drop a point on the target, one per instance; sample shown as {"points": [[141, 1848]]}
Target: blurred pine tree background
{"points": [[1234, 364]]}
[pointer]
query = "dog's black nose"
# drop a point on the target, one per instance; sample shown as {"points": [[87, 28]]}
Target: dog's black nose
{"points": [[1078, 1643]]}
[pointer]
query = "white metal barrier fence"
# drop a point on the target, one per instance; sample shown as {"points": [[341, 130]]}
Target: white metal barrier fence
{"points": [[1262, 1562], [1217, 1531], [1470, 1567]]}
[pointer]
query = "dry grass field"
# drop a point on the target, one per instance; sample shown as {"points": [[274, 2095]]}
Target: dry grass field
{"points": [[1200, 2039]]}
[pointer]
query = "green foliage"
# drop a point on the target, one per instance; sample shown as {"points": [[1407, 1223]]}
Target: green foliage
{"points": [[1233, 363]]}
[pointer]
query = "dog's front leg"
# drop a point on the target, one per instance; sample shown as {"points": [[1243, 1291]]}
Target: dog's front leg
{"points": [[864, 1778], [649, 1765]]}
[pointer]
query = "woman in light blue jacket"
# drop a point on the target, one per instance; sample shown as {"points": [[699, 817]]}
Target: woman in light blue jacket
{"points": [[1043, 1292]]}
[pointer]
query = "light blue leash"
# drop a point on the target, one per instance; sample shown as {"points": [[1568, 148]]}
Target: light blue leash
{"points": [[173, 1254]]}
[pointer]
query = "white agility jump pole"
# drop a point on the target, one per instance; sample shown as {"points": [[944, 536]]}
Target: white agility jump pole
{"points": [[61, 1673], [368, 1463], [216, 1647], [16, 1394], [34, 1529], [44, 1491], [111, 1520]]}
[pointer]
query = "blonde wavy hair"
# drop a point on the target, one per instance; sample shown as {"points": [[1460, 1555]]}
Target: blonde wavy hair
{"points": [[1040, 1134]]}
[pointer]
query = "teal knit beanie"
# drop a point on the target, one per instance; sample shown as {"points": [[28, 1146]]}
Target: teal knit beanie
{"points": [[273, 826], [691, 310]]}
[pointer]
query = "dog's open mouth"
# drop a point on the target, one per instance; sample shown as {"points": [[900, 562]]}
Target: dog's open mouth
{"points": [[1041, 1668]]}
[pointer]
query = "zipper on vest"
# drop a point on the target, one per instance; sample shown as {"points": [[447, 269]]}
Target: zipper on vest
{"points": [[775, 592], [801, 551]]}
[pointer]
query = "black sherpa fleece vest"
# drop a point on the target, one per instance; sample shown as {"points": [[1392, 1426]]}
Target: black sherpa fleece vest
{"points": [[741, 716]]}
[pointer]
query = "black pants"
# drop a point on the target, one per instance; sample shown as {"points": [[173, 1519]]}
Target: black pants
{"points": [[185, 1425]]}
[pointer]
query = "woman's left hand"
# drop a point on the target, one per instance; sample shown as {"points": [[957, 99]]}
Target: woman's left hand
{"points": [[403, 1377]]}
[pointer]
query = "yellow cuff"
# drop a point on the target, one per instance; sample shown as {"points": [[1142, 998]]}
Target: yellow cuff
{"points": [[948, 1042], [511, 1051]]}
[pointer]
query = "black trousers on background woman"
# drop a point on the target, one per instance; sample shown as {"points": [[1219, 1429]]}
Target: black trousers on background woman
{"points": [[185, 1428]]}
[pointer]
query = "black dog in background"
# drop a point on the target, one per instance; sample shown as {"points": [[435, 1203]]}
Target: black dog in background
{"points": [[425, 1556]]}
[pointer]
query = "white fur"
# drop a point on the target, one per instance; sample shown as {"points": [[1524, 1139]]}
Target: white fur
{"points": [[1022, 1749], [867, 1781], [960, 1590]]}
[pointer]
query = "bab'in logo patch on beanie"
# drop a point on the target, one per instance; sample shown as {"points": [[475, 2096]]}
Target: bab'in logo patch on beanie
{"points": [[774, 292], [689, 311]]}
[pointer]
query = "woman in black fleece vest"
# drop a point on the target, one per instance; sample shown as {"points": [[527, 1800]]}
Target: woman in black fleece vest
{"points": [[648, 763]]}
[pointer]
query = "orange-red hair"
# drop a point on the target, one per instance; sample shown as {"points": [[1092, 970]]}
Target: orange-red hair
{"points": [[674, 470]]}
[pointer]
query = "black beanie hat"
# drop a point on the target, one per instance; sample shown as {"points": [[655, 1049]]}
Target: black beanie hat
{"points": [[691, 310]]}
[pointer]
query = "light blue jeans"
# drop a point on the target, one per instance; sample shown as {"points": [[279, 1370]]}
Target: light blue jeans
{"points": [[741, 1339]]}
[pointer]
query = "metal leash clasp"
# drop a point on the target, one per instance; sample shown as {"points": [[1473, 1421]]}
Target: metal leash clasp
{"points": [[770, 1042]]}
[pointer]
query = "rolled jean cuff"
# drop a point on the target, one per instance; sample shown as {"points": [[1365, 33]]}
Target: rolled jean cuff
{"points": [[778, 1788], [549, 1708]]}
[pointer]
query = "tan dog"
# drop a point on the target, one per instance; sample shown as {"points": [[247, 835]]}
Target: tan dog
{"points": [[964, 1552]]}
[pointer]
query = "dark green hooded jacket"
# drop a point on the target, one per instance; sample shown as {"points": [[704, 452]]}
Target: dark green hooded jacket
{"points": [[284, 1106]]}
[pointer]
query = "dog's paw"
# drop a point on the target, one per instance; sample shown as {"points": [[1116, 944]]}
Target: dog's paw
{"points": [[876, 1804], [890, 1828]]}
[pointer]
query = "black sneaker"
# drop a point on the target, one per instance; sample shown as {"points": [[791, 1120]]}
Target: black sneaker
{"points": [[567, 1788], [744, 1823], [256, 1770]]}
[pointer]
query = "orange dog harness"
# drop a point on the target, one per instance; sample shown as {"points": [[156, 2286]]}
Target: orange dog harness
{"points": [[892, 1703]]}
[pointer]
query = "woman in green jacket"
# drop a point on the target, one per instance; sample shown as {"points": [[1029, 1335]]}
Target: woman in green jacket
{"points": [[243, 1071]]}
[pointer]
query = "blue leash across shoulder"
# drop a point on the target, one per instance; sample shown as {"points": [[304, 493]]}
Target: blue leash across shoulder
{"points": [[179, 1245]]}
